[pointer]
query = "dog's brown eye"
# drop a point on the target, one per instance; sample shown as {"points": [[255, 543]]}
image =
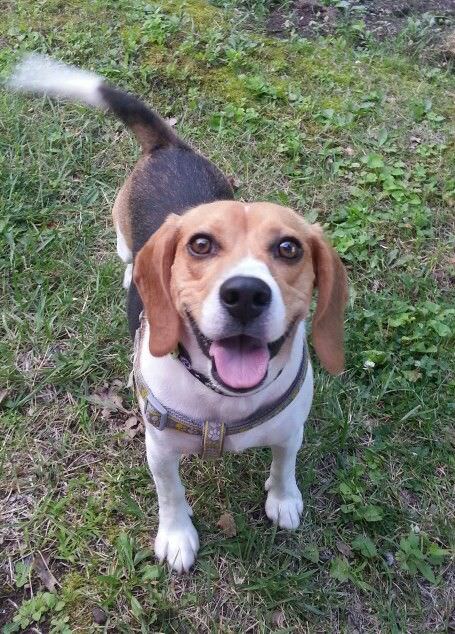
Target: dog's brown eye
{"points": [[289, 249], [201, 245]]}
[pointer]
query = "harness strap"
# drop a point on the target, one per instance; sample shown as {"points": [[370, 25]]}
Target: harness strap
{"points": [[212, 440]]}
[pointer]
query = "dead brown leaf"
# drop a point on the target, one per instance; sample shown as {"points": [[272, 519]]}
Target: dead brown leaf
{"points": [[234, 182], [108, 399], [40, 566], [99, 615], [278, 619], [344, 548], [227, 525], [133, 426], [3, 395]]}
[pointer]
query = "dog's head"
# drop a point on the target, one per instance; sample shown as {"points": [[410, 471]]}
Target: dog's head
{"points": [[236, 279]]}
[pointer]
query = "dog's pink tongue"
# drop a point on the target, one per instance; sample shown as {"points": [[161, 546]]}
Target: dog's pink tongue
{"points": [[241, 362]]}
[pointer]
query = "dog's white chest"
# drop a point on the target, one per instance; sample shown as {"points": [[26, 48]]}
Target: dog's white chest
{"points": [[178, 390]]}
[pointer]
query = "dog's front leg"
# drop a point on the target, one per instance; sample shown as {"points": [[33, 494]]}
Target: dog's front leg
{"points": [[284, 503], [177, 539]]}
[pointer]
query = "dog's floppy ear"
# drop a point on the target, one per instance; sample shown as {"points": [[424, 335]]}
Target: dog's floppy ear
{"points": [[152, 276], [328, 319]]}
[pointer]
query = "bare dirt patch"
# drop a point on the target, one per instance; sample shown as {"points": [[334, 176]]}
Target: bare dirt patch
{"points": [[382, 18], [9, 603], [307, 18]]}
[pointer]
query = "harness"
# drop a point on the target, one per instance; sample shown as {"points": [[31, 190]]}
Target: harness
{"points": [[212, 432]]}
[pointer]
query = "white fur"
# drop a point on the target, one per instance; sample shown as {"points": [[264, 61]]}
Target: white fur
{"points": [[126, 255], [42, 75], [123, 250], [177, 539], [127, 276], [212, 310], [175, 387]]}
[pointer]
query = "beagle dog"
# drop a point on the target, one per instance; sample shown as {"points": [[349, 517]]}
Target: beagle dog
{"points": [[219, 291]]}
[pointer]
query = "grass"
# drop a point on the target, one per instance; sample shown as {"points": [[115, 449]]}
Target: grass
{"points": [[359, 138]]}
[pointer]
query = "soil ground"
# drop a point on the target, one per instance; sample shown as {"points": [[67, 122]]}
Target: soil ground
{"points": [[382, 18]]}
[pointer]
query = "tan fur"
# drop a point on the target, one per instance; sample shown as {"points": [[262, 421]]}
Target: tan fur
{"points": [[328, 320], [121, 211], [242, 230], [152, 276]]}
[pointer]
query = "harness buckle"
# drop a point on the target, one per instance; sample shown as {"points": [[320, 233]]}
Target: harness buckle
{"points": [[213, 434], [155, 412]]}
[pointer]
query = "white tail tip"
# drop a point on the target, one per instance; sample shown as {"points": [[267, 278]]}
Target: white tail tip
{"points": [[42, 75]]}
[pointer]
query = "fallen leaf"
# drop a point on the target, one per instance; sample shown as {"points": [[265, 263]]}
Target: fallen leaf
{"points": [[3, 395], [42, 570], [234, 182], [278, 619], [132, 421], [133, 426], [389, 558], [172, 121], [415, 140], [99, 616], [227, 525], [344, 548], [108, 400], [325, 554]]}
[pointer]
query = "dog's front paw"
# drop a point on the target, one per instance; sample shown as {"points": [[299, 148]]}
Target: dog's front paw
{"points": [[284, 508], [178, 543]]}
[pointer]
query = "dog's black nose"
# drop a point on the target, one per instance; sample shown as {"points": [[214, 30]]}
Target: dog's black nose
{"points": [[245, 297]]}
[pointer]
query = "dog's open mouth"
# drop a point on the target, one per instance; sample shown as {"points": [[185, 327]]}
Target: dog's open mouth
{"points": [[241, 362]]}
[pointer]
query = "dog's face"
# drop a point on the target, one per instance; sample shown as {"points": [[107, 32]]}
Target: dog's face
{"points": [[239, 277]]}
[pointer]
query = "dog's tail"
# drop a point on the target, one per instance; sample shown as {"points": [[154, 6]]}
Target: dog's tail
{"points": [[42, 75]]}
